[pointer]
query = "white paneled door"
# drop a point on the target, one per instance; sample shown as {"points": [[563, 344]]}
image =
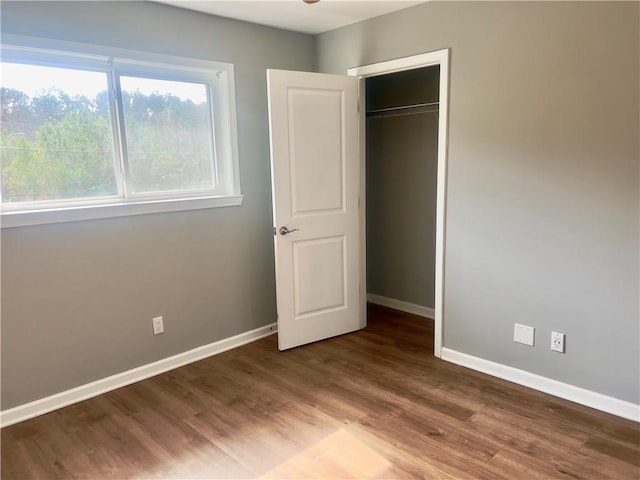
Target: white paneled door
{"points": [[315, 176]]}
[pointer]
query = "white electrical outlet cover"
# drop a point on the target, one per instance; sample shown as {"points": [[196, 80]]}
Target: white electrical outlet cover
{"points": [[158, 326], [557, 342], [523, 334]]}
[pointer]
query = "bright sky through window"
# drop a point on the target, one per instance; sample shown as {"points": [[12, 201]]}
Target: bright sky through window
{"points": [[30, 80]]}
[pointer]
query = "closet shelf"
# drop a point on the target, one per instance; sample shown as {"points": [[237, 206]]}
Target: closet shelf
{"points": [[431, 107]]}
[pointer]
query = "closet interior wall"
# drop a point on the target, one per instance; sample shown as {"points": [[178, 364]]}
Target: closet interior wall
{"points": [[401, 158]]}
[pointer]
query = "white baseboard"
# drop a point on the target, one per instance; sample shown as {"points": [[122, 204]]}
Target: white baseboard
{"points": [[579, 395], [93, 389], [402, 306]]}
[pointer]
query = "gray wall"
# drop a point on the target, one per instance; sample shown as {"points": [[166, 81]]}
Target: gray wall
{"points": [[78, 298], [542, 199]]}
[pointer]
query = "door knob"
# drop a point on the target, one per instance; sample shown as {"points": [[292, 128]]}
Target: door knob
{"points": [[284, 230]]}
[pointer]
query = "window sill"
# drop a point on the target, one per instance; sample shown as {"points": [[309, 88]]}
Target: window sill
{"points": [[93, 212]]}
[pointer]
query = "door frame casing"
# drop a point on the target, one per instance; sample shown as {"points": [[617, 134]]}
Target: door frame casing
{"points": [[441, 58]]}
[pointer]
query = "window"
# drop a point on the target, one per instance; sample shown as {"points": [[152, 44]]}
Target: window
{"points": [[93, 136]]}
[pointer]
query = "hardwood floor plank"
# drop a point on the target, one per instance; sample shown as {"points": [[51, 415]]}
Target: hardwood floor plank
{"points": [[371, 404], [614, 449]]}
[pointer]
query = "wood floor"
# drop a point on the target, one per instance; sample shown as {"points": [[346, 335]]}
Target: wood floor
{"points": [[372, 404]]}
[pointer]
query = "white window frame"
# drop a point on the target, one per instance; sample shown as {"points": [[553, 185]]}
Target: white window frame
{"points": [[118, 62]]}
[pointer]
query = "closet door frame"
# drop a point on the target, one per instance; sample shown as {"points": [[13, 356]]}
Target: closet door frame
{"points": [[441, 58]]}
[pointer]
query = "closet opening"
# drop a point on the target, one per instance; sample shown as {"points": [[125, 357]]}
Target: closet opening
{"points": [[402, 131], [399, 217]]}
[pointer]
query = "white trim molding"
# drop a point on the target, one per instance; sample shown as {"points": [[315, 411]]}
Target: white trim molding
{"points": [[121, 209], [572, 393], [441, 58], [413, 308], [93, 389]]}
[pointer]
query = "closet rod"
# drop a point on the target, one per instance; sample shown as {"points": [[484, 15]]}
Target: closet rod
{"points": [[404, 107], [401, 114]]}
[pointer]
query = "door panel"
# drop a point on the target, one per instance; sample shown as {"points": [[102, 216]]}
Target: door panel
{"points": [[319, 271], [317, 161], [314, 161]]}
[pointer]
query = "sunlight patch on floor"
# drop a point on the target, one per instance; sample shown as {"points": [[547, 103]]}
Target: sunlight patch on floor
{"points": [[339, 455]]}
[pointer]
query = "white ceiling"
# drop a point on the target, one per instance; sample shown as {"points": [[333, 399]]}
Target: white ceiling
{"points": [[295, 14]]}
